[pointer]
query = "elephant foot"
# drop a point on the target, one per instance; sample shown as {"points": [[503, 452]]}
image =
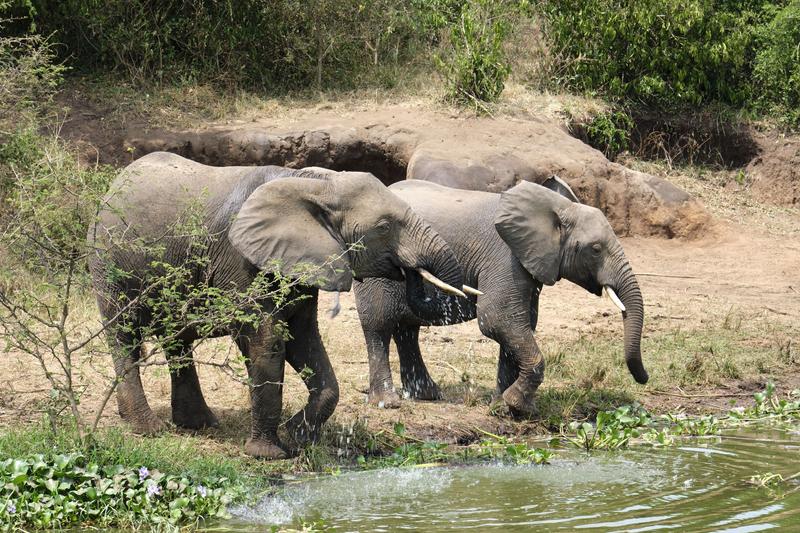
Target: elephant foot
{"points": [[147, 424], [522, 404], [422, 389], [194, 417], [385, 398], [263, 448], [301, 430]]}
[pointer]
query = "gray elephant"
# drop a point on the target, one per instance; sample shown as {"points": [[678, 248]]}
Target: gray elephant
{"points": [[257, 219], [512, 242]]}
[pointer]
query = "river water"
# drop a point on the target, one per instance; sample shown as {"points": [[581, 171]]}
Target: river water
{"points": [[695, 485]]}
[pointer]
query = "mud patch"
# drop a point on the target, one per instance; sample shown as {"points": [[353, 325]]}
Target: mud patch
{"points": [[775, 173]]}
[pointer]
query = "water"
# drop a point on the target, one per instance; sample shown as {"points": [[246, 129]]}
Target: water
{"points": [[696, 486]]}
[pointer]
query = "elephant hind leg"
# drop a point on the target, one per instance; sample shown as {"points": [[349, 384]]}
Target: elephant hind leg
{"points": [[189, 408], [131, 401], [417, 382]]}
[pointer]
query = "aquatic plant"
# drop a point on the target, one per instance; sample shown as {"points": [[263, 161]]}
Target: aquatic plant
{"points": [[67, 491], [693, 426], [612, 429], [501, 448]]}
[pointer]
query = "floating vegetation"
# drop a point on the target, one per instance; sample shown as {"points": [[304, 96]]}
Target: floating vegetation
{"points": [[616, 429]]}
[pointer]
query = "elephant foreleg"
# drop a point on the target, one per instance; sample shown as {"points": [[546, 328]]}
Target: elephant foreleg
{"points": [[307, 355], [507, 369], [189, 408], [518, 351], [381, 385], [131, 401], [416, 380], [265, 356]]}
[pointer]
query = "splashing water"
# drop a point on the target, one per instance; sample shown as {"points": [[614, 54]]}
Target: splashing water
{"points": [[699, 485]]}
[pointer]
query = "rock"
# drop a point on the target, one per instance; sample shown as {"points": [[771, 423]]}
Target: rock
{"points": [[490, 154]]}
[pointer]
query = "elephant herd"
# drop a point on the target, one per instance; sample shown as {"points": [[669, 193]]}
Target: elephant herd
{"points": [[415, 253]]}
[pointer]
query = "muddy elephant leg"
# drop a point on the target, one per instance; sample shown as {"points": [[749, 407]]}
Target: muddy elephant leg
{"points": [[507, 370], [264, 354], [381, 385], [307, 355], [515, 337], [131, 401], [189, 409], [416, 380]]}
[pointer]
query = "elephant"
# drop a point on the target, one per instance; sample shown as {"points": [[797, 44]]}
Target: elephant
{"points": [[266, 221], [514, 242]]}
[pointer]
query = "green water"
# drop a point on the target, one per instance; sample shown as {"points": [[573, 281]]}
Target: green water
{"points": [[696, 485]]}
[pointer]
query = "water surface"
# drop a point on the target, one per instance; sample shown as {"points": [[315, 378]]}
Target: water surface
{"points": [[698, 485]]}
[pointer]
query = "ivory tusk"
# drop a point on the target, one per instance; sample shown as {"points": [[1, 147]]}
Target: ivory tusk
{"points": [[436, 282], [333, 311], [614, 298], [469, 290]]}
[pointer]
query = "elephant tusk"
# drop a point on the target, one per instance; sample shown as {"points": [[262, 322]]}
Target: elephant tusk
{"points": [[614, 298], [469, 290], [333, 311], [436, 282]]}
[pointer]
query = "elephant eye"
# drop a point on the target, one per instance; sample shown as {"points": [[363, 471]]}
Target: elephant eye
{"points": [[597, 247], [383, 227]]}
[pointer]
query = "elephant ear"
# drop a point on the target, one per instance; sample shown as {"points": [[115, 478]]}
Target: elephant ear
{"points": [[556, 184], [282, 227], [528, 221]]}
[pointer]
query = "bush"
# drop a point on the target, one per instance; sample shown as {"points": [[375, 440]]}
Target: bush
{"points": [[776, 69], [277, 46], [656, 52], [610, 132], [29, 76], [475, 66]]}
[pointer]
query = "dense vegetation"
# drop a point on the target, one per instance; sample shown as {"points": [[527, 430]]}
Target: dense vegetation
{"points": [[741, 53]]}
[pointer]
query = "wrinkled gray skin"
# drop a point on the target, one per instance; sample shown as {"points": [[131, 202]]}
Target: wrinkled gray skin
{"points": [[258, 214], [509, 244]]}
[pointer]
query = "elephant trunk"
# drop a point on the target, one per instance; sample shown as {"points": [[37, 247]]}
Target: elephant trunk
{"points": [[429, 253], [633, 318]]}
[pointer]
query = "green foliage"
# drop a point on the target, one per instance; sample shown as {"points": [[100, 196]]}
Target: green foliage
{"points": [[500, 448], [29, 76], [609, 132], [280, 45], [776, 67], [69, 490], [475, 66], [684, 52], [612, 429]]}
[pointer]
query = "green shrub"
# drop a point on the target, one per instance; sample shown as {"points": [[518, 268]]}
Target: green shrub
{"points": [[279, 45], [655, 51], [29, 76], [610, 132], [475, 66], [776, 69]]}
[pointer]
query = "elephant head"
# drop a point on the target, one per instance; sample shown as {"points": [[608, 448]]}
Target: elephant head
{"points": [[556, 237], [342, 225]]}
